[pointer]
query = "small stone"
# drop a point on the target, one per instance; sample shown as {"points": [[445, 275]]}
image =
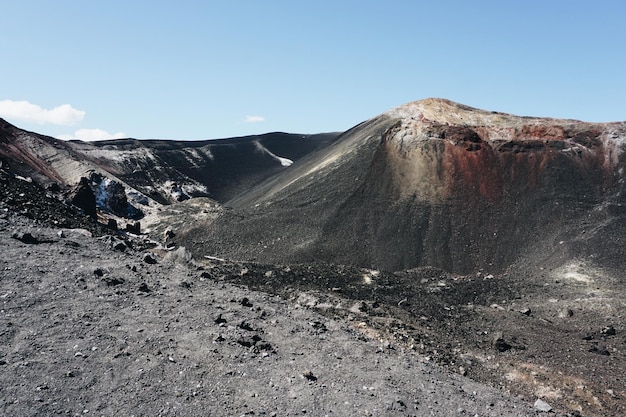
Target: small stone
{"points": [[308, 374], [541, 405], [499, 343], [144, 288], [149, 258], [600, 350], [526, 311], [113, 281], [120, 246], [134, 228], [608, 331], [245, 326]]}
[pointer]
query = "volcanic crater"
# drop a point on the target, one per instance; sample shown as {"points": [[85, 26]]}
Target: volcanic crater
{"points": [[435, 259]]}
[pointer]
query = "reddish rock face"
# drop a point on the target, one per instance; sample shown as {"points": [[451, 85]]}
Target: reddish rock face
{"points": [[490, 162]]}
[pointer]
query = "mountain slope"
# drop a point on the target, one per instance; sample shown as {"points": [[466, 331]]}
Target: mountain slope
{"points": [[162, 170], [433, 183]]}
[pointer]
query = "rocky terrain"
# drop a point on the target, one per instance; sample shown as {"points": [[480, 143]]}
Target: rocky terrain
{"points": [[156, 172], [112, 325], [434, 260]]}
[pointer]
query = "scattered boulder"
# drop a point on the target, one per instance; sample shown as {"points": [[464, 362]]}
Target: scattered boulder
{"points": [[113, 281], [120, 246], [25, 237], [82, 196], [134, 228], [144, 288], [112, 224], [600, 350], [245, 326], [499, 343], [149, 258], [111, 196], [608, 331], [249, 341], [308, 374]]}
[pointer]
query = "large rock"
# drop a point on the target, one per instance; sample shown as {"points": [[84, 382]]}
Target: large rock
{"points": [[111, 196], [82, 196]]}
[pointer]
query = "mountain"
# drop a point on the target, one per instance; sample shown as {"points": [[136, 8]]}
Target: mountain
{"points": [[436, 183], [433, 258], [158, 171]]}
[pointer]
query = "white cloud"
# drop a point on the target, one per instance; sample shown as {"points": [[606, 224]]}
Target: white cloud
{"points": [[254, 119], [64, 114], [89, 135]]}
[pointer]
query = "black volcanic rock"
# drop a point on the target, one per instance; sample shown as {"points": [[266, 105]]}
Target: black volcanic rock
{"points": [[440, 184], [82, 196], [111, 197]]}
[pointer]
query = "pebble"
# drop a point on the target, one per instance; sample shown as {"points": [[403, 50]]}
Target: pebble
{"points": [[541, 405], [308, 374], [608, 331]]}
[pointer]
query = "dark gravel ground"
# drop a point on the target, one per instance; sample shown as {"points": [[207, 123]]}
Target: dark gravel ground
{"points": [[93, 324], [89, 330]]}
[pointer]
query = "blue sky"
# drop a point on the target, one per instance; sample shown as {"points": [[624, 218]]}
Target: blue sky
{"points": [[211, 69]]}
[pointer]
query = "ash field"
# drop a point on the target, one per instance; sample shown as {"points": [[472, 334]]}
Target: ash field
{"points": [[434, 260]]}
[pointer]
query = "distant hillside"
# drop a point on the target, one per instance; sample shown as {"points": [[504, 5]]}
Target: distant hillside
{"points": [[162, 170]]}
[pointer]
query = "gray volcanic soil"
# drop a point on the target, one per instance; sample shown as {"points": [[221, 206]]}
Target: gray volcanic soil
{"points": [[89, 325], [89, 330]]}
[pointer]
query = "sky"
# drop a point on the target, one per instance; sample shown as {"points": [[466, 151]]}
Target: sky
{"points": [[213, 69]]}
